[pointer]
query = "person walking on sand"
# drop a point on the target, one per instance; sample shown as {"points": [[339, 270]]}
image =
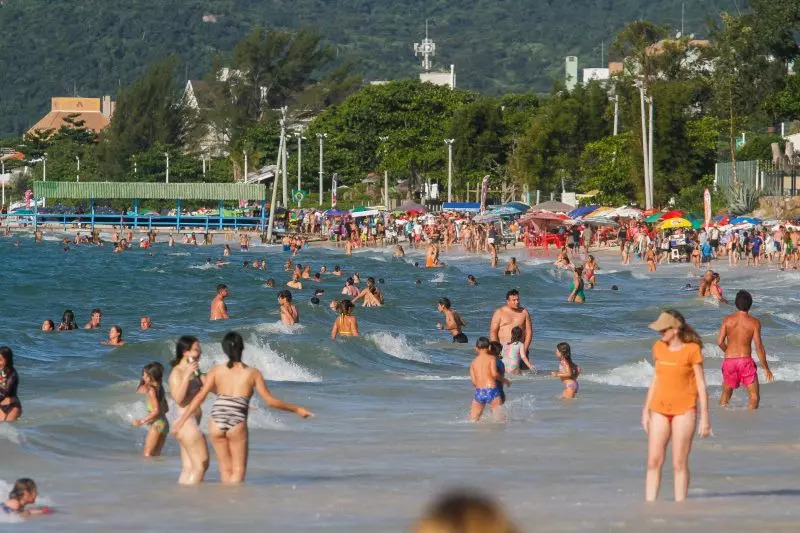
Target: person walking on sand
{"points": [[219, 311], [234, 383], [737, 334], [670, 410]]}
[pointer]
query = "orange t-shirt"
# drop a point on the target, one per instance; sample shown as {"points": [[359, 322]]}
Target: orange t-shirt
{"points": [[676, 388]]}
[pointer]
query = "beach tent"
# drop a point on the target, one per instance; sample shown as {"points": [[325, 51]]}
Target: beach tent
{"points": [[746, 220], [582, 211], [335, 213], [600, 221], [504, 211], [519, 206], [412, 206], [553, 207], [466, 207]]}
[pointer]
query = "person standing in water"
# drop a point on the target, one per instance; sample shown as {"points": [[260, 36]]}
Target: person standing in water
{"points": [[484, 376], [509, 316], [567, 372], [219, 311], [345, 324], [452, 321], [737, 334], [234, 383], [576, 294], [10, 407], [289, 314], [670, 410], [152, 387], [185, 381], [513, 353]]}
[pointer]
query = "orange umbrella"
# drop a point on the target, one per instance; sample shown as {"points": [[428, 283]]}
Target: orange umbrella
{"points": [[672, 214]]}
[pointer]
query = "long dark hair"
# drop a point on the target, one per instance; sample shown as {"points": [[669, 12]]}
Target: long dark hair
{"points": [[8, 355], [346, 307], [21, 486], [686, 333], [156, 372], [566, 354], [183, 345], [68, 319], [233, 346]]}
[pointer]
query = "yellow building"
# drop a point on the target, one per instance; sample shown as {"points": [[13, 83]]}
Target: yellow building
{"points": [[95, 112]]}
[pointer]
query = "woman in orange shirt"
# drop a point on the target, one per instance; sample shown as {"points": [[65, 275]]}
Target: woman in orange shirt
{"points": [[670, 410]]}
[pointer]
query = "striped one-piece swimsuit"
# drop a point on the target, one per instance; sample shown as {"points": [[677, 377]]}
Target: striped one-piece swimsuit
{"points": [[229, 411]]}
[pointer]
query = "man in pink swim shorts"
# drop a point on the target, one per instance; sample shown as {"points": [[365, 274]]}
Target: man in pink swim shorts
{"points": [[736, 334]]}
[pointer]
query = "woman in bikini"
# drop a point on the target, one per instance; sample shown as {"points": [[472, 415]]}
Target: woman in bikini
{"points": [[714, 290], [346, 324], [589, 268], [670, 410], [10, 408], [152, 387], [234, 383], [185, 381]]}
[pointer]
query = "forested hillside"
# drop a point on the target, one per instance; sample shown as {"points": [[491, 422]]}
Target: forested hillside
{"points": [[92, 47]]}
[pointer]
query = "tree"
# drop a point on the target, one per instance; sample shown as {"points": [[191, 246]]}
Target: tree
{"points": [[416, 118], [479, 147], [607, 165]]}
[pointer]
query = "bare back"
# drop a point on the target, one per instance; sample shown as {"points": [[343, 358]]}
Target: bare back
{"points": [[237, 381], [483, 372], [737, 334]]}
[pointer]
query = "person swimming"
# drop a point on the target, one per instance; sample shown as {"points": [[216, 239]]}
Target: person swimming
{"points": [[67, 321], [345, 324], [22, 494]]}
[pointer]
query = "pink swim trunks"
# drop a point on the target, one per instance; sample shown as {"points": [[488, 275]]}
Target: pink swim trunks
{"points": [[738, 371]]}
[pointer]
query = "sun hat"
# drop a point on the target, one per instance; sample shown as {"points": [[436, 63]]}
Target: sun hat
{"points": [[665, 321]]}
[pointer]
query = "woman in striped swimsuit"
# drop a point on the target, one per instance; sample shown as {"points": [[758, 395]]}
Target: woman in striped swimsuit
{"points": [[234, 383]]}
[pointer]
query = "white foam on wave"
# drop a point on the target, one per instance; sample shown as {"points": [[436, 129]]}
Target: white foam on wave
{"points": [[10, 433], [791, 317], [639, 275], [273, 365], [280, 327], [154, 269], [436, 378], [534, 261], [126, 413], [711, 302], [204, 266], [397, 346], [789, 372], [179, 253], [260, 417], [438, 278], [637, 374], [712, 351]]}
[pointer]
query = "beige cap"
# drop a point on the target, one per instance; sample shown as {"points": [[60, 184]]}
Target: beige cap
{"points": [[665, 321]]}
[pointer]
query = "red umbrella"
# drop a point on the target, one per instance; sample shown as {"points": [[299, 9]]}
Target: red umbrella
{"points": [[649, 212], [672, 214]]}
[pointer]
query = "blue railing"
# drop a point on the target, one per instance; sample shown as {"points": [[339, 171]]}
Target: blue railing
{"points": [[140, 222]]}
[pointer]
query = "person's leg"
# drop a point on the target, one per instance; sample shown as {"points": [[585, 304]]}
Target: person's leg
{"points": [[476, 411], [683, 427], [237, 445], [12, 415], [725, 396], [151, 448], [497, 409], [657, 440], [220, 443], [754, 394], [194, 453]]}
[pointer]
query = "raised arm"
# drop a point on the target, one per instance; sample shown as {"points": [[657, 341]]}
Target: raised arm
{"points": [[361, 294], [197, 401], [275, 403], [179, 385], [762, 353], [702, 395]]}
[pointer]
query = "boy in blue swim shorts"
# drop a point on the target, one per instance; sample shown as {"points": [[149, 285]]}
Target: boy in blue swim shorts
{"points": [[486, 380]]}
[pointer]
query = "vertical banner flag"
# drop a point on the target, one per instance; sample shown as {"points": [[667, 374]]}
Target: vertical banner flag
{"points": [[334, 199], [707, 208], [28, 196], [484, 192]]}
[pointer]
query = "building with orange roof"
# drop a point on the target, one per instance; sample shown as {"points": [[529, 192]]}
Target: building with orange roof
{"points": [[94, 112]]}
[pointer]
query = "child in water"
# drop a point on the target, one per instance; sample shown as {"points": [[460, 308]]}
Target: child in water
{"points": [[513, 352], [496, 351], [484, 375], [23, 494], [568, 371], [151, 386]]}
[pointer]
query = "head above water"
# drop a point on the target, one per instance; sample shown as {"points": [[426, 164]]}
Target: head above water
{"points": [[24, 491], [744, 301], [482, 343], [512, 298], [233, 346], [222, 289], [315, 300], [154, 371], [495, 348], [445, 303], [285, 295]]}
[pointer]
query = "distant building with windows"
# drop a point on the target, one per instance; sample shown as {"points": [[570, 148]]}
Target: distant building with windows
{"points": [[96, 113]]}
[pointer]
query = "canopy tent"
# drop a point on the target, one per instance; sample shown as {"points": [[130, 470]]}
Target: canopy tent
{"points": [[467, 207], [364, 212], [628, 212], [519, 206], [542, 215], [581, 211], [504, 211], [335, 213], [748, 220], [553, 206], [601, 222], [412, 206]]}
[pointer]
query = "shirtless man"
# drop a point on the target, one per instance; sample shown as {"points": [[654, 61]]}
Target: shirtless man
{"points": [[289, 314], [452, 321], [484, 376], [94, 322], [145, 322], [736, 334], [507, 317], [219, 311], [371, 294]]}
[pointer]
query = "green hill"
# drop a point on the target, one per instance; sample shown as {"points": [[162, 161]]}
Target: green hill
{"points": [[91, 47]]}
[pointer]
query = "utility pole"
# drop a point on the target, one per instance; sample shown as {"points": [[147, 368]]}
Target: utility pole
{"points": [[616, 114], [449, 143], [650, 151], [244, 152], [78, 175], [44, 173], [383, 139], [3, 178], [275, 177], [166, 154], [135, 167], [645, 153], [203, 159], [283, 161], [320, 136], [299, 160]]}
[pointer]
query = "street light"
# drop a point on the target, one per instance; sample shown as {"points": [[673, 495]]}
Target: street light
{"points": [[383, 139], [245, 165], [166, 154], [449, 143], [645, 152], [3, 179], [320, 136], [616, 114], [299, 160], [44, 173], [78, 175]]}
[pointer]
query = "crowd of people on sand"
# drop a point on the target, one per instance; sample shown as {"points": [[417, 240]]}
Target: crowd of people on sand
{"points": [[675, 401]]}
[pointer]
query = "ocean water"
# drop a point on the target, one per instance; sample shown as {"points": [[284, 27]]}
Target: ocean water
{"points": [[391, 430]]}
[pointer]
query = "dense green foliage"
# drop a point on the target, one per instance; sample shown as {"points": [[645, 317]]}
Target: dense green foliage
{"points": [[93, 47]]}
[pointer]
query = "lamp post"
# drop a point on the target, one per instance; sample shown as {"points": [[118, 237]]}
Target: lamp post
{"points": [[650, 150], [449, 143], [645, 152], [616, 114], [320, 136], [282, 162], [203, 159], [44, 172], [383, 139], [166, 154], [135, 166], [245, 165], [299, 160], [3, 179], [78, 175]]}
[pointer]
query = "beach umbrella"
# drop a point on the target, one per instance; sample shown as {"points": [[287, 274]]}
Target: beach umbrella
{"points": [[722, 220], [600, 221], [519, 206], [582, 211], [746, 220], [672, 214], [412, 206], [553, 206], [655, 217], [674, 223], [504, 211], [628, 212], [542, 215]]}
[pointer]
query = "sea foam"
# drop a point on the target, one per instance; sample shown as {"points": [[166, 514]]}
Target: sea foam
{"points": [[397, 346]]}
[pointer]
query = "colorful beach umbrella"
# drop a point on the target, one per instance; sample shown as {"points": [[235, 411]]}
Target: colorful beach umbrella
{"points": [[672, 214], [674, 223], [655, 217]]}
